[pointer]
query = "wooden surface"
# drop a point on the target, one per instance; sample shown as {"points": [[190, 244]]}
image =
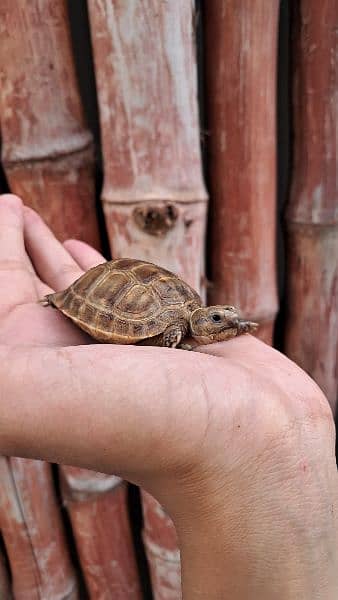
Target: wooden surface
{"points": [[311, 333], [240, 106]]}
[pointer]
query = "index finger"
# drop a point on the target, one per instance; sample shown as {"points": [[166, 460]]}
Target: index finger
{"points": [[85, 256], [52, 262]]}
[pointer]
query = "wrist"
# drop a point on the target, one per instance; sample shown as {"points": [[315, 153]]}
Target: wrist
{"points": [[228, 562], [253, 540]]}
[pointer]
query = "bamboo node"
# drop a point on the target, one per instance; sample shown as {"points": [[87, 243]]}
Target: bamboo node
{"points": [[156, 220]]}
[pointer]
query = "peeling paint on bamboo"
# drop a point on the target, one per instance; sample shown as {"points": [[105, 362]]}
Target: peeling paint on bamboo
{"points": [[47, 150], [312, 214], [98, 511], [240, 74], [153, 197], [164, 557], [33, 533], [147, 91]]}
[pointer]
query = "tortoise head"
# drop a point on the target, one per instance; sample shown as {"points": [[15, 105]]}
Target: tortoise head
{"points": [[218, 323]]}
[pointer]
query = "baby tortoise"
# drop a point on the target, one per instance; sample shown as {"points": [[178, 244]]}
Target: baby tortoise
{"points": [[128, 301]]}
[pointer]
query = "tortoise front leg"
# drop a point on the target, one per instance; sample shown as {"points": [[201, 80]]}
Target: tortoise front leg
{"points": [[170, 338], [173, 335]]}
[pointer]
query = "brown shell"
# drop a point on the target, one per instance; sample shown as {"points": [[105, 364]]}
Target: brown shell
{"points": [[125, 301]]}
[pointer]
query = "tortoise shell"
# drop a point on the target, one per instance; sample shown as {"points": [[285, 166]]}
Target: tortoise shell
{"points": [[126, 301]]}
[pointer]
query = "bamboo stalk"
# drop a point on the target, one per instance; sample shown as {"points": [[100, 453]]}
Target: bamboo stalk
{"points": [[240, 104], [33, 533], [163, 554], [153, 195], [46, 148], [98, 511], [311, 337]]}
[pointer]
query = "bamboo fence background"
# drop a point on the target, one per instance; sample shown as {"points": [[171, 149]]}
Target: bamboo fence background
{"points": [[99, 112]]}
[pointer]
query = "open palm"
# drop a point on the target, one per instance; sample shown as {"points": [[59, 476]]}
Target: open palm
{"points": [[25, 238]]}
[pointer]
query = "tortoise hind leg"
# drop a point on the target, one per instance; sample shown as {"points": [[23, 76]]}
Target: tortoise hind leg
{"points": [[46, 301]]}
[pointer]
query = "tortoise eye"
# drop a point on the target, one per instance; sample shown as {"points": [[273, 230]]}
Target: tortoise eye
{"points": [[216, 317]]}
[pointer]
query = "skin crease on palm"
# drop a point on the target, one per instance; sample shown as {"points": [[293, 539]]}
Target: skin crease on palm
{"points": [[233, 439]]}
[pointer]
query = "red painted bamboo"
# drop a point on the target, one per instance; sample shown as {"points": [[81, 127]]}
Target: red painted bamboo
{"points": [[33, 534], [240, 75], [161, 543], [311, 337], [98, 511], [153, 196], [46, 148]]}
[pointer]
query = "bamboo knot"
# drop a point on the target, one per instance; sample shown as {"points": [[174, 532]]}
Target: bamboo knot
{"points": [[156, 220]]}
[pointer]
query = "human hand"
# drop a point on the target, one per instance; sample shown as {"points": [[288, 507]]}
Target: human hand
{"points": [[235, 441]]}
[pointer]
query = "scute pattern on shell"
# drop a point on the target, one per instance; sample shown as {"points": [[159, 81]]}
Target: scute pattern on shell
{"points": [[126, 301]]}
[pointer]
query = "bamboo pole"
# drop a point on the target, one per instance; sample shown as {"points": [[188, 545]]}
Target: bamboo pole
{"points": [[153, 195], [161, 543], [46, 149], [240, 104], [97, 507], [311, 337], [33, 534]]}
